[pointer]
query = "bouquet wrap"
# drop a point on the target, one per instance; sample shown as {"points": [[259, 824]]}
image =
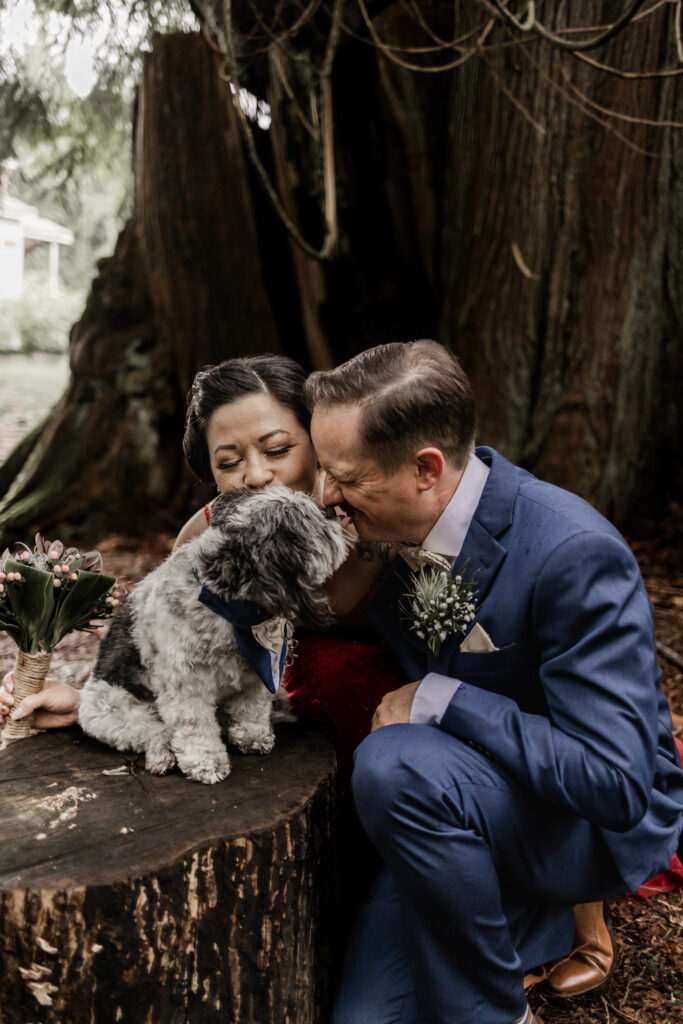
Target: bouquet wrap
{"points": [[30, 673]]}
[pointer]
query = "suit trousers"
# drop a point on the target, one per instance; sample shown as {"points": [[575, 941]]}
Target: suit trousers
{"points": [[479, 883]]}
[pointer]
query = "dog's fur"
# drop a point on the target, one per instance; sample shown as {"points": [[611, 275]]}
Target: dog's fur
{"points": [[168, 662]]}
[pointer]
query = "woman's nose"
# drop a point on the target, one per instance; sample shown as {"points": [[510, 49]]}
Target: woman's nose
{"points": [[257, 474]]}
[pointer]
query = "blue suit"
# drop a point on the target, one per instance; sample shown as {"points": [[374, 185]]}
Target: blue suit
{"points": [[552, 779]]}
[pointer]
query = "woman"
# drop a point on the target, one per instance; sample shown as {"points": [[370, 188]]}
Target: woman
{"points": [[247, 426]]}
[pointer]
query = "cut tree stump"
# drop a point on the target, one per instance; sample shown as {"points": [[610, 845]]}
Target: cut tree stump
{"points": [[129, 897]]}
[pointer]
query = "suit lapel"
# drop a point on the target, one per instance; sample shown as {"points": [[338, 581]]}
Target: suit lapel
{"points": [[481, 548], [384, 611], [481, 556], [482, 552]]}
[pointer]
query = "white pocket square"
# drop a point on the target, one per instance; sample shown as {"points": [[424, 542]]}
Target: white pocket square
{"points": [[477, 641]]}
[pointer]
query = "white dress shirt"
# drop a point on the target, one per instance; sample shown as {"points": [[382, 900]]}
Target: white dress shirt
{"points": [[447, 537]]}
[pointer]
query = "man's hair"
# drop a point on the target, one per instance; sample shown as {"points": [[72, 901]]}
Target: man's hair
{"points": [[412, 395]]}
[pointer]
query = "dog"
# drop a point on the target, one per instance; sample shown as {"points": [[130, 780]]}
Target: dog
{"points": [[173, 656]]}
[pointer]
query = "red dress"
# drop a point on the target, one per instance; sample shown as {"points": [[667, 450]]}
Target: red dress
{"points": [[340, 680]]}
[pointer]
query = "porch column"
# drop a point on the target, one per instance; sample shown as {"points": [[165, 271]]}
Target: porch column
{"points": [[53, 278]]}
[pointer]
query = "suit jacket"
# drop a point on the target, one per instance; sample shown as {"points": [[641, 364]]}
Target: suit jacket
{"points": [[570, 704]]}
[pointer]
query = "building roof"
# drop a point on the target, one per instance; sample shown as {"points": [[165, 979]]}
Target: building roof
{"points": [[38, 228]]}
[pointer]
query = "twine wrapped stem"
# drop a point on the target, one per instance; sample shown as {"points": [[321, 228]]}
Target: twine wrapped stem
{"points": [[30, 673]]}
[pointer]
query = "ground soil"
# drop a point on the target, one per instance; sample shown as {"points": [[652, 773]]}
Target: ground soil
{"points": [[646, 988]]}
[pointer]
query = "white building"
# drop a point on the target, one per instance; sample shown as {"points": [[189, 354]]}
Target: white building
{"points": [[21, 229]]}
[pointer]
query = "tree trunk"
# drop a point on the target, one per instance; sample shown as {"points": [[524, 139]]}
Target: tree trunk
{"points": [[129, 897], [184, 288], [480, 206], [563, 263]]}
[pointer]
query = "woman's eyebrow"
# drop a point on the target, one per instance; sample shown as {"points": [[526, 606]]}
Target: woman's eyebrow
{"points": [[265, 437], [279, 430]]}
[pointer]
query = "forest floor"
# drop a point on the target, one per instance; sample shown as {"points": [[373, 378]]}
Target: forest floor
{"points": [[647, 987]]}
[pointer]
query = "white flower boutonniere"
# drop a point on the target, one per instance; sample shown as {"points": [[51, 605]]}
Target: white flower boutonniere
{"points": [[440, 604]]}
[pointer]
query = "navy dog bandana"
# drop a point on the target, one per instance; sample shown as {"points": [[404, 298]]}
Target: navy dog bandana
{"points": [[261, 638]]}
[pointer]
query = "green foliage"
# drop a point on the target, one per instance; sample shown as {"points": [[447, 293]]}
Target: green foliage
{"points": [[73, 151], [39, 609], [37, 105], [39, 321], [29, 603]]}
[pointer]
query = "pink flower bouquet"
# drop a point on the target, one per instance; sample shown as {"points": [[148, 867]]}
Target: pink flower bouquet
{"points": [[44, 594]]}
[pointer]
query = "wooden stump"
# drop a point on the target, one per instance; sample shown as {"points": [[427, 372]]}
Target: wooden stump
{"points": [[128, 897]]}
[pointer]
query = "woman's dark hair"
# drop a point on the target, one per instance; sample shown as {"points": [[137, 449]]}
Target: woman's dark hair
{"points": [[278, 376]]}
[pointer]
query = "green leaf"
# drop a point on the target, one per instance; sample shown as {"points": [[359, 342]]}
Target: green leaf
{"points": [[11, 626], [31, 603], [76, 606]]}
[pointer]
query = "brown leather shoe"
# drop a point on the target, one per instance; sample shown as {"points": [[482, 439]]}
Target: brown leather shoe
{"points": [[591, 963]]}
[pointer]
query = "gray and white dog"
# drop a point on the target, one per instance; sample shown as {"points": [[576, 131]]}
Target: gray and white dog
{"points": [[170, 661]]}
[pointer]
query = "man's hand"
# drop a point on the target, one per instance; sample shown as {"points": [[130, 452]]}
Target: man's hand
{"points": [[395, 706]]}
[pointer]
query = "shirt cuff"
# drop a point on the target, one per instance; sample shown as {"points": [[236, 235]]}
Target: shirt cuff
{"points": [[432, 697]]}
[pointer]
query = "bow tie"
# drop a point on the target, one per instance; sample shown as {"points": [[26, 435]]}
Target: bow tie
{"points": [[418, 557]]}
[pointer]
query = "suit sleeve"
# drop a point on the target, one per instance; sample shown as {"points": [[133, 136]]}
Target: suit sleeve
{"points": [[591, 629]]}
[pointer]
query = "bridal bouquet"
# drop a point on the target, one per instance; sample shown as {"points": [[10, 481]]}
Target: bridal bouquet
{"points": [[44, 594]]}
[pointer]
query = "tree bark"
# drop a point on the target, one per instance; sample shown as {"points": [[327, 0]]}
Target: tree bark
{"points": [[129, 897], [574, 354], [485, 206]]}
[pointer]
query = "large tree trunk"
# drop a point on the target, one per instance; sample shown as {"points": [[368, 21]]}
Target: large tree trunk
{"points": [[576, 361], [480, 206], [129, 897]]}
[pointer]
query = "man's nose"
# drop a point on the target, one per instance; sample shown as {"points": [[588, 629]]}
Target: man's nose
{"points": [[257, 474], [332, 494]]}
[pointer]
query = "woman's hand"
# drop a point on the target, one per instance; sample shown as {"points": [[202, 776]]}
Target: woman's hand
{"points": [[56, 705]]}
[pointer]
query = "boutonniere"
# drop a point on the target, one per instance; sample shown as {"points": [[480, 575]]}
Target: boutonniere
{"points": [[439, 604]]}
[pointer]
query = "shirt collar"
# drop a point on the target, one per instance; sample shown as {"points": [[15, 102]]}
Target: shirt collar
{"points": [[447, 536]]}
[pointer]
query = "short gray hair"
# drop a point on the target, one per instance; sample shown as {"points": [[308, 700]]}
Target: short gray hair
{"points": [[412, 395]]}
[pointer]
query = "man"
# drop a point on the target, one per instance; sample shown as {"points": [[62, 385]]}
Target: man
{"points": [[530, 765]]}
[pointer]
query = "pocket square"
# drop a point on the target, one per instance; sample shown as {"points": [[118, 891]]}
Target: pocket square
{"points": [[477, 641]]}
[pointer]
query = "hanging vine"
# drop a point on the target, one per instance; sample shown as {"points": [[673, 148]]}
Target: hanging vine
{"points": [[315, 29]]}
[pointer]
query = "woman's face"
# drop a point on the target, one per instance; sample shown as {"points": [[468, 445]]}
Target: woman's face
{"points": [[256, 442]]}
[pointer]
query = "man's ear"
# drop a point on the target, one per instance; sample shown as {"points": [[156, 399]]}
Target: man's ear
{"points": [[430, 465]]}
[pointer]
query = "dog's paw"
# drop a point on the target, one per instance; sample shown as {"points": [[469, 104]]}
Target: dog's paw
{"points": [[251, 740], [209, 770], [159, 759]]}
